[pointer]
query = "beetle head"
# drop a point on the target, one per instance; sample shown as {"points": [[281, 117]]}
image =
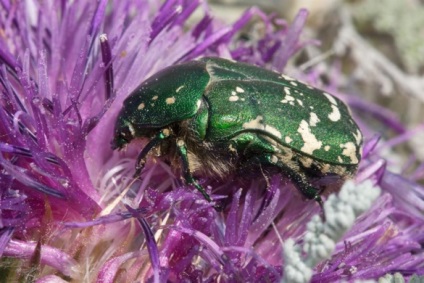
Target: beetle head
{"points": [[124, 133], [168, 97]]}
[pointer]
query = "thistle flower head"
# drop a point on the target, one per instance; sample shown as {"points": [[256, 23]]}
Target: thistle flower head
{"points": [[70, 208]]}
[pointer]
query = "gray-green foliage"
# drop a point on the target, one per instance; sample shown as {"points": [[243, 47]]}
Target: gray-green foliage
{"points": [[403, 20], [398, 278]]}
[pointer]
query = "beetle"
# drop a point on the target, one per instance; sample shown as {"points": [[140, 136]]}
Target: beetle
{"points": [[217, 117]]}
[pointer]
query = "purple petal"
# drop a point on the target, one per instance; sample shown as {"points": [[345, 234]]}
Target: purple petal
{"points": [[49, 255]]}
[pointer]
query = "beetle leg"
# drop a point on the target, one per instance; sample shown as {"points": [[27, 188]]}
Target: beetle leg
{"points": [[263, 151], [182, 150], [298, 179], [142, 156]]}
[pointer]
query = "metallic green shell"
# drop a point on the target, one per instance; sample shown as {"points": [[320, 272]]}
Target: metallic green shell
{"points": [[225, 98], [247, 98], [169, 96]]}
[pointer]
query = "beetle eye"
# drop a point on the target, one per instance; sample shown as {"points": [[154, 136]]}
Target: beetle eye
{"points": [[126, 134], [122, 138]]}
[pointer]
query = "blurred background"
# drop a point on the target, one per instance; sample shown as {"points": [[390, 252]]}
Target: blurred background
{"points": [[377, 48]]}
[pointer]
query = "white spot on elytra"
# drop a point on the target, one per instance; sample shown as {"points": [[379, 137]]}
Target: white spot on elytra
{"points": [[233, 92], [288, 139], [239, 89], [155, 97], [340, 159], [300, 102], [233, 98], [199, 102], [313, 119], [335, 115], [170, 100], [310, 141], [287, 78], [274, 159], [331, 98], [349, 150], [293, 83], [258, 125], [288, 99], [327, 148], [141, 106], [287, 91], [358, 137], [179, 88]]}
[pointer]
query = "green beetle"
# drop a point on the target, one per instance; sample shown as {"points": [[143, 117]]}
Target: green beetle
{"points": [[217, 117]]}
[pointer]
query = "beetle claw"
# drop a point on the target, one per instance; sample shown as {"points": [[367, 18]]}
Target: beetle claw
{"points": [[318, 199], [136, 175], [219, 205]]}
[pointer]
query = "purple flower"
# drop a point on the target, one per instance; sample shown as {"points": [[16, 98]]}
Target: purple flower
{"points": [[70, 209]]}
